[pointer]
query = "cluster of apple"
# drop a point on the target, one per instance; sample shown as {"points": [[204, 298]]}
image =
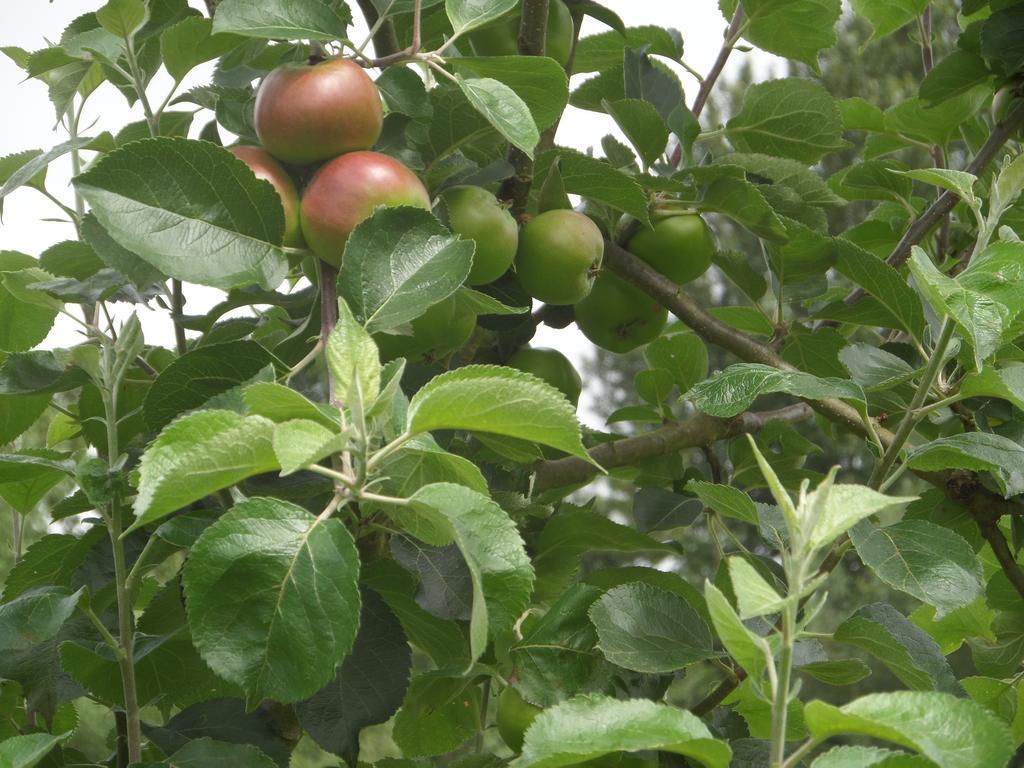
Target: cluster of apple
{"points": [[329, 113]]}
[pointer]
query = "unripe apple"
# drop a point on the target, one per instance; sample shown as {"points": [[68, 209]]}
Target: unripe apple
{"points": [[680, 247], [345, 191], [444, 328], [1003, 99], [559, 254], [267, 168], [502, 37], [618, 316], [551, 366], [307, 113], [514, 717], [475, 214]]}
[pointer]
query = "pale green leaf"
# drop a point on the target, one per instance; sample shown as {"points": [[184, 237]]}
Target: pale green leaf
{"points": [[499, 400], [952, 732], [587, 727], [197, 455]]}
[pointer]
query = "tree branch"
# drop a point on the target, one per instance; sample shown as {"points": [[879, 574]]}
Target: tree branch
{"points": [[711, 329], [945, 202], [532, 31], [385, 39], [697, 431], [731, 37], [708, 83]]}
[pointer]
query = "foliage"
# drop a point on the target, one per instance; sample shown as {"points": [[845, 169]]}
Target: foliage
{"points": [[341, 525]]}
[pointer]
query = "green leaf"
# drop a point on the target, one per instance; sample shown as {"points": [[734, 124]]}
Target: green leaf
{"points": [[207, 753], [840, 672], [470, 14], [754, 595], [750, 651], [538, 80], [191, 41], [1000, 40], [940, 124], [28, 475], [141, 273], [980, 451], [24, 322], [725, 500], [925, 560], [683, 355], [843, 506], [1007, 383], [200, 375], [647, 629], [33, 168], [598, 53], [791, 118], [283, 19], [874, 368], [791, 174], [794, 29], [197, 455], [883, 283], [878, 179], [557, 657], [122, 18], [280, 403], [596, 180], [369, 685], [504, 109], [51, 561], [952, 732], [643, 126], [659, 509], [442, 640], [284, 640], [440, 713], [168, 669], [886, 16], [18, 413], [150, 194], [300, 443], [956, 74], [10, 164], [421, 462], [744, 203], [35, 617], [353, 360], [499, 400], [490, 543], [731, 391], [27, 751], [37, 372], [977, 316], [587, 727], [867, 757], [397, 264], [572, 532]]}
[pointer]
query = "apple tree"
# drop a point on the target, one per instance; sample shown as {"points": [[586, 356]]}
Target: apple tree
{"points": [[348, 517]]}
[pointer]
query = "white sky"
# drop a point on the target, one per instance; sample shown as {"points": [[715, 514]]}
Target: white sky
{"points": [[28, 123]]}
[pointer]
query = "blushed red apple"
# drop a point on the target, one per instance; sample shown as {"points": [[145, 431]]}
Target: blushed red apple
{"points": [[346, 191]]}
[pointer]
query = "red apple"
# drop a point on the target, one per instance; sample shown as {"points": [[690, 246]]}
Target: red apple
{"points": [[346, 191], [263, 164], [309, 113]]}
